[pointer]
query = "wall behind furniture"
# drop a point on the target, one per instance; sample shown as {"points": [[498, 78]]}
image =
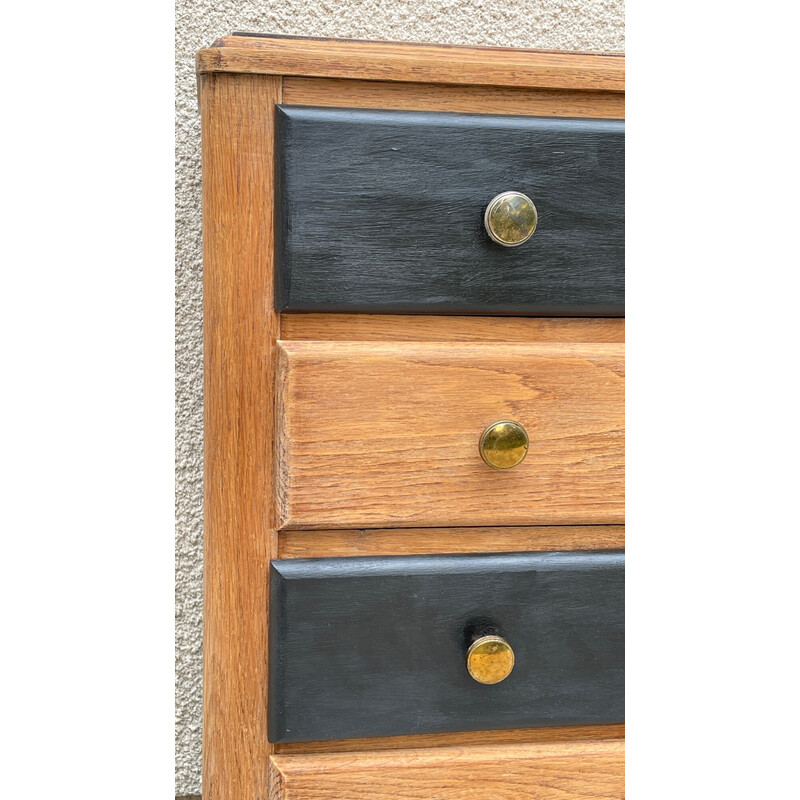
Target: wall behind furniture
{"points": [[546, 24]]}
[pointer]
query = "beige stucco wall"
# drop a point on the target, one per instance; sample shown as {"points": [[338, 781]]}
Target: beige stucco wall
{"points": [[549, 24]]}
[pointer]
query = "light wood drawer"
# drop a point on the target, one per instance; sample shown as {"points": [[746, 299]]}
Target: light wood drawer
{"points": [[383, 434], [558, 771]]}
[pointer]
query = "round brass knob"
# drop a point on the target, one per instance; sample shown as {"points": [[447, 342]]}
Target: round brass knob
{"points": [[490, 659], [504, 444], [510, 219]]}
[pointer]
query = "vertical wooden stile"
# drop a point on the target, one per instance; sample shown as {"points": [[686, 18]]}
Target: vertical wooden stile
{"points": [[240, 330]]}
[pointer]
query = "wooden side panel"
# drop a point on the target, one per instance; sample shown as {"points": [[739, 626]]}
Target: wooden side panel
{"points": [[567, 771], [240, 330], [442, 97], [383, 435], [421, 328], [382, 212], [365, 647]]}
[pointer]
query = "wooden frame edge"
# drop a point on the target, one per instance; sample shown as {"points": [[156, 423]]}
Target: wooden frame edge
{"points": [[419, 63], [239, 334]]}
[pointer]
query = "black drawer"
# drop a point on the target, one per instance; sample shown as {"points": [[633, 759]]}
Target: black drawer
{"points": [[365, 647], [383, 212]]}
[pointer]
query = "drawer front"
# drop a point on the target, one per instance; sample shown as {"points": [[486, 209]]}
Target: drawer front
{"points": [[591, 770], [381, 435], [383, 211], [363, 647]]}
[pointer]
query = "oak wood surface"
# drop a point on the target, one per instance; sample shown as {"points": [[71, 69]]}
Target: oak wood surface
{"points": [[420, 63], [382, 212], [406, 541], [448, 97], [240, 330], [558, 771], [569, 733], [377, 646], [421, 328], [384, 435]]}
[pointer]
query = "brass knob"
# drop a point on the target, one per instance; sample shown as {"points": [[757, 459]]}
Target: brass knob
{"points": [[510, 219], [490, 659], [504, 444]]}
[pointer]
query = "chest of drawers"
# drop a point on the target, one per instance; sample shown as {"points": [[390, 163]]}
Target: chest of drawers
{"points": [[414, 397]]}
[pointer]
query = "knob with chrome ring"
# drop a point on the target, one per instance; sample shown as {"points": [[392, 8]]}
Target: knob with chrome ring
{"points": [[510, 219]]}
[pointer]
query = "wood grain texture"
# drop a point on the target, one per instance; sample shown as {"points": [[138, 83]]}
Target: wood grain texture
{"points": [[443, 97], [240, 330], [382, 212], [385, 435], [408, 541], [376, 646], [570, 733], [422, 328], [419, 63], [564, 771]]}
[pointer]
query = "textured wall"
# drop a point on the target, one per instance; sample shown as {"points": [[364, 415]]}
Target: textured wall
{"points": [[549, 24]]}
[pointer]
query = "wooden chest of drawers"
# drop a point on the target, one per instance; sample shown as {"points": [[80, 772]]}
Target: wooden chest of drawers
{"points": [[414, 289]]}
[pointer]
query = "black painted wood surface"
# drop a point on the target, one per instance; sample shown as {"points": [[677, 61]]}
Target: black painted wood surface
{"points": [[377, 646], [382, 212]]}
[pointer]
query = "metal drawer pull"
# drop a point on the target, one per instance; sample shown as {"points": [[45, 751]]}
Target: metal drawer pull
{"points": [[490, 659], [510, 219], [504, 444]]}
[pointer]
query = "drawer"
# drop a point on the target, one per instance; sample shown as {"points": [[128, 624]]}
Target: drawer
{"points": [[384, 211], [387, 434], [363, 647], [588, 770]]}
